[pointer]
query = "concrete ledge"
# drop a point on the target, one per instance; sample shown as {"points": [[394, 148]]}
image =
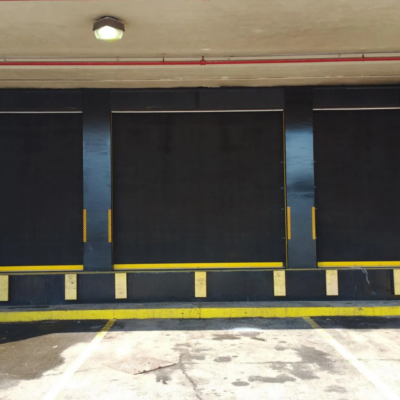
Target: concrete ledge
{"points": [[201, 311]]}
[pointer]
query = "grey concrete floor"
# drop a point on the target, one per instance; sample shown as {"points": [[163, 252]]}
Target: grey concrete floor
{"points": [[348, 358]]}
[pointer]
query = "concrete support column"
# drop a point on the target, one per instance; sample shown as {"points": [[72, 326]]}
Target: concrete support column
{"points": [[300, 177], [97, 179]]}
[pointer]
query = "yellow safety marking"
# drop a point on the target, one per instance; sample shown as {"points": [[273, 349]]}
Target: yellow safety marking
{"points": [[41, 268], [121, 289], [198, 312], [109, 226], [4, 282], [279, 283], [84, 226], [355, 264], [355, 362], [199, 265], [396, 279], [332, 284], [77, 363], [289, 224], [314, 227], [200, 284], [71, 287]]}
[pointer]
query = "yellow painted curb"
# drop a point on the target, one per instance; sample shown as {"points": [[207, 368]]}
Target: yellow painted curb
{"points": [[199, 313]]}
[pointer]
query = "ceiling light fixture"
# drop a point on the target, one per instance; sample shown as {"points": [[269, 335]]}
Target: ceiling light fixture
{"points": [[108, 29]]}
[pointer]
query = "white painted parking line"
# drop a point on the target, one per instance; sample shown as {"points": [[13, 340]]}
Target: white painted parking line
{"points": [[346, 354], [77, 363]]}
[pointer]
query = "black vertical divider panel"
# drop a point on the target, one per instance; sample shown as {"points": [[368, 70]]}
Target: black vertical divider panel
{"points": [[357, 185], [300, 175], [97, 178], [41, 189], [198, 188]]}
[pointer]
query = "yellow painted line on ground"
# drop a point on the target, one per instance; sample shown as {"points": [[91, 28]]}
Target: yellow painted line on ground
{"points": [[199, 265], [199, 313], [159, 313], [41, 268], [357, 364], [77, 363], [355, 264]]}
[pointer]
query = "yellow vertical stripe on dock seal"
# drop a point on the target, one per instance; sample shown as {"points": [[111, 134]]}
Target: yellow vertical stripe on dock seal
{"points": [[279, 283], [84, 226], [121, 289], [4, 283], [289, 224], [332, 284], [396, 279], [314, 227], [109, 226], [71, 287], [200, 284]]}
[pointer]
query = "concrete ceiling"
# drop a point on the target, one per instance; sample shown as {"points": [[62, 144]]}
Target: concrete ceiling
{"points": [[191, 29]]}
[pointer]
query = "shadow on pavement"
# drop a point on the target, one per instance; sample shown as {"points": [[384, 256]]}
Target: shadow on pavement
{"points": [[11, 332]]}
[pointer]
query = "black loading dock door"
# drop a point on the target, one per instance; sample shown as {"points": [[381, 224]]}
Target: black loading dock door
{"points": [[194, 188], [41, 191], [357, 175]]}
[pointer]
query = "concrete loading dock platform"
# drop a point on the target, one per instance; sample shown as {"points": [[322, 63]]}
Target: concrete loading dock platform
{"points": [[230, 194]]}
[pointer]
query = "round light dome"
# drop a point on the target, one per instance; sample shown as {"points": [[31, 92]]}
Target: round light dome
{"points": [[108, 29]]}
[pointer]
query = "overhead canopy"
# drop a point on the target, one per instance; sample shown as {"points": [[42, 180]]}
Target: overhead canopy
{"points": [[176, 30]]}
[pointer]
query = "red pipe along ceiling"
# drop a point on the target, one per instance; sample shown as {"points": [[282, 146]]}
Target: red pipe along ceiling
{"points": [[201, 62]]}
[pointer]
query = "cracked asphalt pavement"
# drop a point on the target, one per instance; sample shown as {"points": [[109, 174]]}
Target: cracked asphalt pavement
{"points": [[341, 359]]}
